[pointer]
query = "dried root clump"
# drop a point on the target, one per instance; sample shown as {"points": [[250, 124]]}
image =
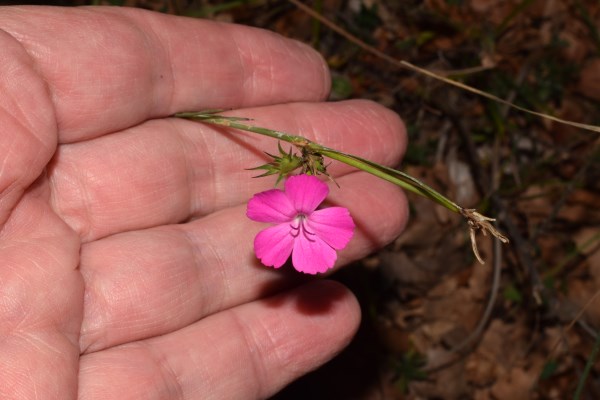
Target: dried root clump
{"points": [[478, 222]]}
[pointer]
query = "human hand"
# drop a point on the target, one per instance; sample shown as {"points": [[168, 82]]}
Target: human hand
{"points": [[126, 262]]}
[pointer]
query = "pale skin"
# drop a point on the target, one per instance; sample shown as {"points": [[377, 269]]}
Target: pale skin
{"points": [[126, 261]]}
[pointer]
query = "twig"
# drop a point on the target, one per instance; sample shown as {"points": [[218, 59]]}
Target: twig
{"points": [[577, 320], [474, 336], [434, 75]]}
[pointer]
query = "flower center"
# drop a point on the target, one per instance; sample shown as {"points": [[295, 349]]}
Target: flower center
{"points": [[300, 228]]}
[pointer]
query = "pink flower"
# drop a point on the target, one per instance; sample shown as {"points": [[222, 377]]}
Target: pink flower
{"points": [[311, 236]]}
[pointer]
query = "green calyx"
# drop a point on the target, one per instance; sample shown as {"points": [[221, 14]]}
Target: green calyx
{"points": [[309, 162], [283, 165]]}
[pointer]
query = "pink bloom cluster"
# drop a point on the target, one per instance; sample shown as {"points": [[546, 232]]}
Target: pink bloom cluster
{"points": [[311, 236]]}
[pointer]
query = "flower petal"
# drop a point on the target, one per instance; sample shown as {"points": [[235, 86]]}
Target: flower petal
{"points": [[306, 192], [334, 225], [312, 255], [274, 245], [270, 206]]}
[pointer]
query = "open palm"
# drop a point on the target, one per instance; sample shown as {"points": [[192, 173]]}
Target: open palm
{"points": [[126, 261]]}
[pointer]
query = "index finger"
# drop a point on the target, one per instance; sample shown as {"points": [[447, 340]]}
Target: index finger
{"points": [[111, 68]]}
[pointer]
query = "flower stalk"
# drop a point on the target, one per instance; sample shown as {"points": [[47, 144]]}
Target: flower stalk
{"points": [[312, 154]]}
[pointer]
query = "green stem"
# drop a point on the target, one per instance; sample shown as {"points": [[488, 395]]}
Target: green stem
{"points": [[389, 174], [399, 178], [588, 367], [210, 117]]}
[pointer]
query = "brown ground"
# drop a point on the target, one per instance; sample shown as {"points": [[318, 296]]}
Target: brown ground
{"points": [[427, 331]]}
